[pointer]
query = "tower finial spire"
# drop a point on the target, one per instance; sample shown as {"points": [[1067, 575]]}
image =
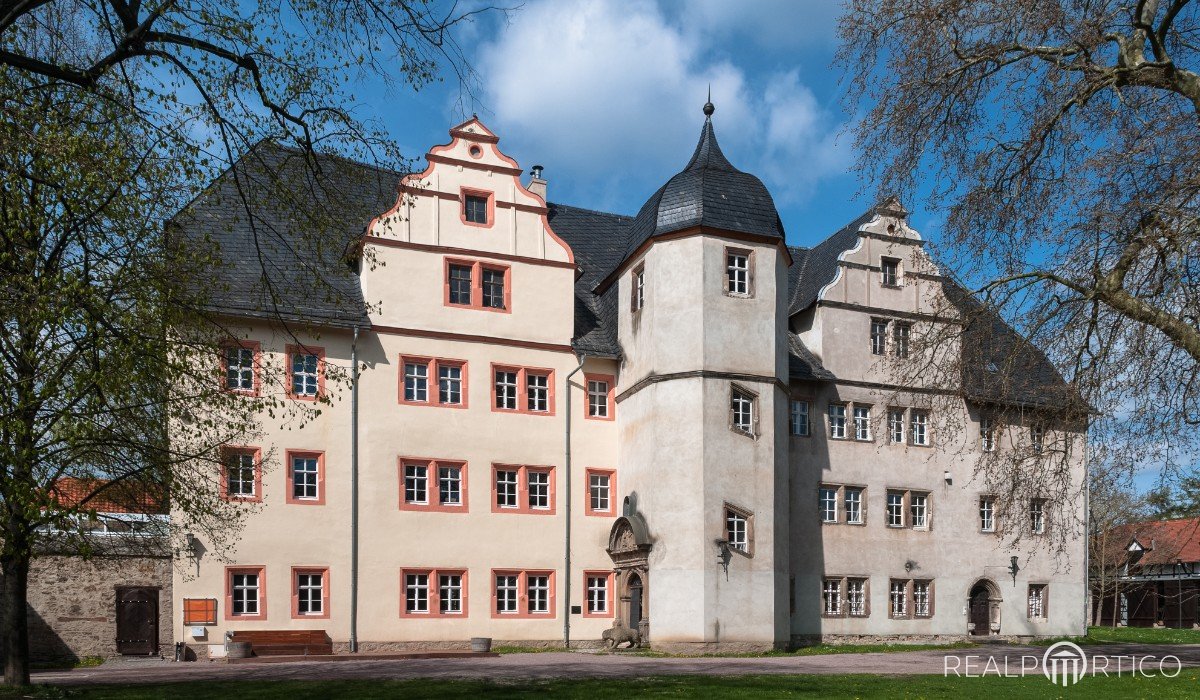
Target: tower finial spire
{"points": [[708, 106]]}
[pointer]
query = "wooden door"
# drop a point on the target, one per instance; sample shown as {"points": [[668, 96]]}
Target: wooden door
{"points": [[981, 611], [137, 621], [635, 601]]}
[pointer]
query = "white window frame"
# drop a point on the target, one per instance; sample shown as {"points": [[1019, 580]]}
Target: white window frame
{"points": [[236, 470], [918, 422], [638, 291], [450, 389], [856, 597], [450, 593], [898, 598], [987, 434], [837, 421], [450, 483], [831, 597], [987, 514], [853, 516], [306, 381], [310, 594], [416, 483], [537, 483], [737, 273], [600, 491], [249, 592], [1037, 516], [508, 491], [799, 418], [896, 426], [823, 503], [537, 392], [918, 504], [416, 381], [1036, 601], [507, 384], [239, 367], [737, 530], [597, 391], [901, 338], [306, 480], [862, 423], [508, 593], [742, 410], [597, 594], [895, 515], [537, 592], [879, 334], [922, 599]]}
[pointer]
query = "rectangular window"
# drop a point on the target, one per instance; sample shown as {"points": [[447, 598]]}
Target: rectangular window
{"points": [[837, 421], [741, 408], [245, 594], [896, 425], [597, 398], [919, 427], [922, 600], [890, 272], [310, 593], [895, 509], [737, 530], [507, 594], [475, 209], [737, 272], [599, 492], [831, 596], [878, 336], [450, 593], [537, 388], [450, 485], [1037, 601], [416, 484], [477, 285], [900, 337], [918, 508], [987, 514], [539, 489], [856, 597], [450, 384], [416, 382], [240, 368], [523, 489], [416, 593], [898, 598], [537, 588], [799, 418], [506, 390], [828, 504], [862, 422], [1037, 516], [987, 434], [853, 500], [306, 372], [241, 474], [1037, 437], [597, 593], [460, 284], [493, 287], [638, 292], [305, 477], [506, 488]]}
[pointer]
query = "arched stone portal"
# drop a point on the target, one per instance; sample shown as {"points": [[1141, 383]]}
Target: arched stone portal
{"points": [[629, 547], [983, 608]]}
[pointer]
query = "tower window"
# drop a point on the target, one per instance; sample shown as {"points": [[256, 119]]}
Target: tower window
{"points": [[738, 530], [638, 296], [737, 272], [741, 408]]}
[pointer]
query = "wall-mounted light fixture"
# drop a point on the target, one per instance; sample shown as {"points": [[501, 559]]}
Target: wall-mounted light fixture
{"points": [[1013, 568], [723, 555]]}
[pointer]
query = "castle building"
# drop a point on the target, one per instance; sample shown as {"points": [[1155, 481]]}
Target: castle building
{"points": [[564, 418]]}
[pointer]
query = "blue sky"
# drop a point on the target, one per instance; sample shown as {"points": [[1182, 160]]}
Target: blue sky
{"points": [[607, 96]]}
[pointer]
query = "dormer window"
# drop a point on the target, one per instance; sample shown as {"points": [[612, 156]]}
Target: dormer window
{"points": [[890, 268]]}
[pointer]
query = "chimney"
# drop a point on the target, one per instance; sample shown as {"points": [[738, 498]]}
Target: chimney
{"points": [[536, 184]]}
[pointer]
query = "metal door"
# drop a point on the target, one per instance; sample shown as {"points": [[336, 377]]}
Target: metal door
{"points": [[137, 621]]}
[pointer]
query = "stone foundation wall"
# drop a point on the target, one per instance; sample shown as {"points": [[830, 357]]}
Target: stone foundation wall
{"points": [[73, 604], [837, 639]]}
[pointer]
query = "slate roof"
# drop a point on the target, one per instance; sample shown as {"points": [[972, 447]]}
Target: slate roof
{"points": [[284, 231], [819, 265], [598, 240], [708, 192]]}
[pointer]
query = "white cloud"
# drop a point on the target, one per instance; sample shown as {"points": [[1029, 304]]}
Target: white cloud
{"points": [[607, 96]]}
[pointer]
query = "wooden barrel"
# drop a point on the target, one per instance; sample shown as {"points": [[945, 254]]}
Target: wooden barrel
{"points": [[481, 644], [238, 650]]}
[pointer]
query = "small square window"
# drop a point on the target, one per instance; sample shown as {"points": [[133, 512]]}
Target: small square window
{"points": [[475, 209]]}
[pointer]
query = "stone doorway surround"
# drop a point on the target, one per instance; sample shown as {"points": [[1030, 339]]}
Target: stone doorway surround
{"points": [[983, 599], [629, 548]]}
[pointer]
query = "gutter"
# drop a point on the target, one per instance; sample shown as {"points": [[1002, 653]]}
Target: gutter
{"points": [[567, 527]]}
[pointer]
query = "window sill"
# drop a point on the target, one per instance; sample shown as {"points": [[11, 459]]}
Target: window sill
{"points": [[743, 433]]}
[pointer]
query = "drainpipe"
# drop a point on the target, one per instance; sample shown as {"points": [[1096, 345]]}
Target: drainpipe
{"points": [[567, 529], [354, 493]]}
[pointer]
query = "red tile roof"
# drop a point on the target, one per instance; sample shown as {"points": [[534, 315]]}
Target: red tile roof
{"points": [[1165, 541], [125, 497]]}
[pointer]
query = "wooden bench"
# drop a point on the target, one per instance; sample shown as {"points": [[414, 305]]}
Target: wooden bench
{"points": [[286, 642]]}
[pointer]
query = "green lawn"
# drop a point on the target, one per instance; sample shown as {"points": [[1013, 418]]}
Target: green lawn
{"points": [[1186, 685], [1133, 635]]}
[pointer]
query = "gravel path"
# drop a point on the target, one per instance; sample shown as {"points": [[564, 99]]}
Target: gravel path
{"points": [[550, 665]]}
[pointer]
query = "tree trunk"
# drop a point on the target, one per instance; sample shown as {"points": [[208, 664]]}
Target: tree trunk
{"points": [[14, 620]]}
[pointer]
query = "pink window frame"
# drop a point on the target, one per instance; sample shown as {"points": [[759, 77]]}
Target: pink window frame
{"points": [[291, 350], [324, 571], [435, 593], [612, 492], [433, 484], [245, 345], [291, 498], [262, 591], [257, 452], [587, 400], [477, 268], [523, 389], [523, 489], [491, 206], [612, 609], [523, 594], [432, 387]]}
